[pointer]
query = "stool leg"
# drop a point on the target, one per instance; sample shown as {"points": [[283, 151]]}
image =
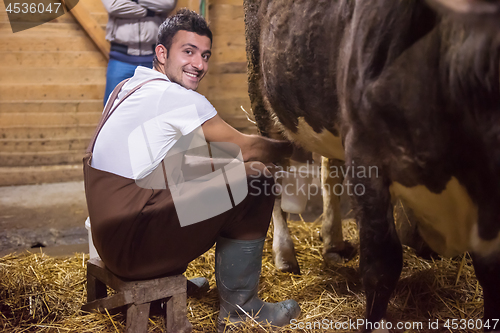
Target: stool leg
{"points": [[176, 315], [95, 288], [137, 318]]}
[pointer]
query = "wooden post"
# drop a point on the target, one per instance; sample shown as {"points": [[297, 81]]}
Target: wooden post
{"points": [[95, 32]]}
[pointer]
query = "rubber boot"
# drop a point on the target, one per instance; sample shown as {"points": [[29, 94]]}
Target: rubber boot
{"points": [[237, 272]]}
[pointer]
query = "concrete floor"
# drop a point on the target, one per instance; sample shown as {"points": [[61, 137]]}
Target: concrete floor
{"points": [[50, 216]]}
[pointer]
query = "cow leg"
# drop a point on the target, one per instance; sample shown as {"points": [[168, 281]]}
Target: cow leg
{"points": [[381, 253], [283, 248], [334, 246], [381, 258], [488, 274]]}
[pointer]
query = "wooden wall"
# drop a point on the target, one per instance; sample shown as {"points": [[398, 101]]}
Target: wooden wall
{"points": [[52, 80], [226, 83]]}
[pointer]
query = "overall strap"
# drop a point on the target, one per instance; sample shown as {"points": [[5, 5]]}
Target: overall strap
{"points": [[108, 111]]}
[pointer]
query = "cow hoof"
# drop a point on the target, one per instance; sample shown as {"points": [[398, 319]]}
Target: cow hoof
{"points": [[286, 266], [332, 259], [338, 254]]}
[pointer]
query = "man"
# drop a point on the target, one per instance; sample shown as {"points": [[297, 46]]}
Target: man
{"points": [[138, 231], [132, 28]]}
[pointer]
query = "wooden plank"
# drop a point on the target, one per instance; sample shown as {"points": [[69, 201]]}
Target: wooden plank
{"points": [[58, 59], [38, 113], [43, 145], [240, 123], [41, 32], [225, 93], [65, 18], [220, 27], [202, 88], [95, 289], [227, 67], [101, 18], [15, 42], [48, 119], [176, 312], [50, 75], [237, 121], [40, 174], [42, 132], [226, 2], [172, 285], [229, 48], [191, 4], [228, 54], [229, 39], [114, 301], [61, 29], [51, 91], [40, 158], [94, 105], [94, 30], [226, 86], [221, 11], [224, 16], [231, 106], [93, 6]]}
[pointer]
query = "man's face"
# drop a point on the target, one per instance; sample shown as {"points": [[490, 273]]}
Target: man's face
{"points": [[187, 61]]}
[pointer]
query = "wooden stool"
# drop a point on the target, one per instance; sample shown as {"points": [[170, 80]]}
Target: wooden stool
{"points": [[137, 296]]}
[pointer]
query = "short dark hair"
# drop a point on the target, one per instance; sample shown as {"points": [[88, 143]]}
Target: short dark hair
{"points": [[184, 19]]}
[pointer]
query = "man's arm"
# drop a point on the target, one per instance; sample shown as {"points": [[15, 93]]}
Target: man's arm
{"points": [[159, 6], [138, 9], [124, 9], [253, 147]]}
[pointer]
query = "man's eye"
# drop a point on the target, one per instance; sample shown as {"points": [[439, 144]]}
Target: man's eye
{"points": [[206, 57], [189, 52]]}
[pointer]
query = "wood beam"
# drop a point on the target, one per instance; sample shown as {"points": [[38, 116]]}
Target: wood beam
{"points": [[91, 26]]}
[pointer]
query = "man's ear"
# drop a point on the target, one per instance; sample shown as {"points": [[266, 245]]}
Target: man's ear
{"points": [[161, 53]]}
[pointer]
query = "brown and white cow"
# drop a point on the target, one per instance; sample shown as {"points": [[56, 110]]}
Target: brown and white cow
{"points": [[334, 247], [409, 87]]}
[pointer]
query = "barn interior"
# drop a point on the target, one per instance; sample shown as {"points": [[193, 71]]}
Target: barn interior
{"points": [[52, 80]]}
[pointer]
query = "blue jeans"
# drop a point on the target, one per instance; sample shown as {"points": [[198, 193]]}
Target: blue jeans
{"points": [[119, 71]]}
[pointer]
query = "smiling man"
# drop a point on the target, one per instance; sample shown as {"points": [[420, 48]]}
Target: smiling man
{"points": [[184, 58], [136, 229]]}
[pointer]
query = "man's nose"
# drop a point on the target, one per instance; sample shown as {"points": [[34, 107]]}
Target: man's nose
{"points": [[197, 62]]}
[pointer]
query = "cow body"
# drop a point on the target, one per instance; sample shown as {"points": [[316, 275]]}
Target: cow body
{"points": [[396, 86]]}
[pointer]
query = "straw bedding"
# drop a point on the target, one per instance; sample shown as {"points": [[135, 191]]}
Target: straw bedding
{"points": [[39, 293]]}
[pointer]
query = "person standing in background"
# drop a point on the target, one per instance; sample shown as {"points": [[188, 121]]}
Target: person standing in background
{"points": [[132, 28]]}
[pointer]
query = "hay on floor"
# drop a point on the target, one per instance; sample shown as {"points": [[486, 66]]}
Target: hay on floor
{"points": [[39, 293]]}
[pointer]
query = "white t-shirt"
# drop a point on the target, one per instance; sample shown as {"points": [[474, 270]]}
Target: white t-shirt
{"points": [[140, 132]]}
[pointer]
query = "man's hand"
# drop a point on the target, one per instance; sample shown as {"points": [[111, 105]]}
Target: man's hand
{"points": [[275, 151]]}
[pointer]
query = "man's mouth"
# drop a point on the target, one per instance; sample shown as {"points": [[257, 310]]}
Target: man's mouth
{"points": [[191, 75]]}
